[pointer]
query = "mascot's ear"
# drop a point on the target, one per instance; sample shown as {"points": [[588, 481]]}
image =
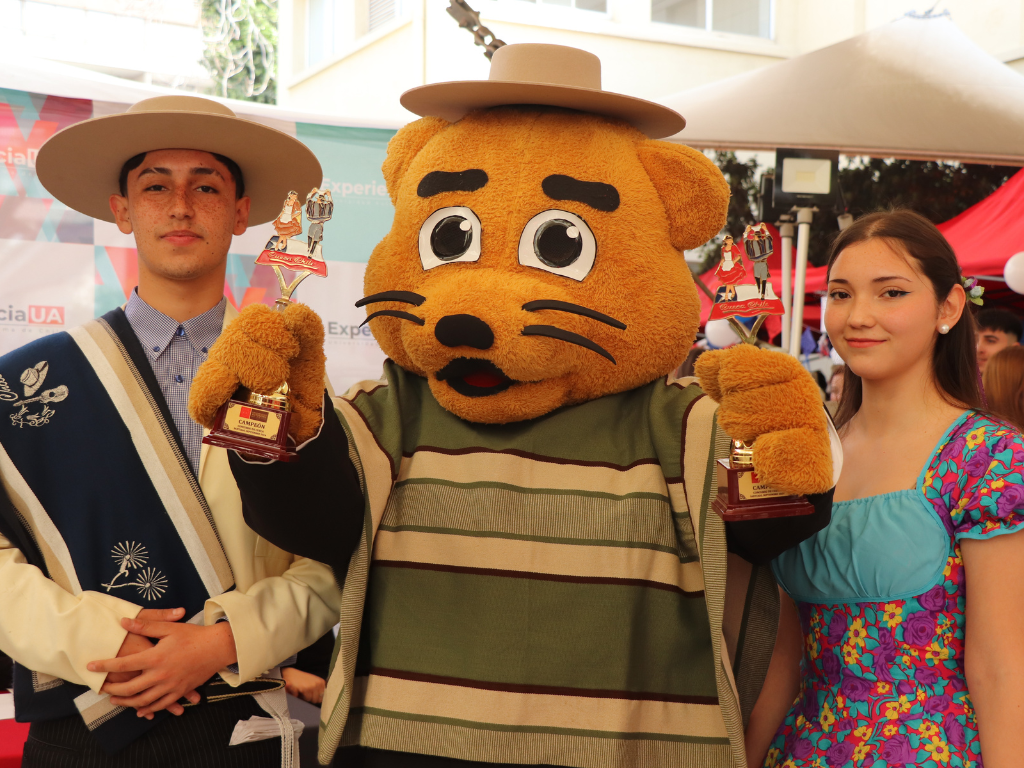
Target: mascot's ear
{"points": [[404, 146], [692, 189]]}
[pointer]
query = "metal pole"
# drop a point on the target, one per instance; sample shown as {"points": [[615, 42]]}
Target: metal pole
{"points": [[786, 231], [804, 216]]}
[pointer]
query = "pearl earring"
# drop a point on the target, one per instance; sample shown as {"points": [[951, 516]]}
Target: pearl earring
{"points": [[943, 328]]}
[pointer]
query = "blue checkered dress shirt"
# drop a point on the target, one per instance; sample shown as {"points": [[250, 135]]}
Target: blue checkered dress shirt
{"points": [[176, 350]]}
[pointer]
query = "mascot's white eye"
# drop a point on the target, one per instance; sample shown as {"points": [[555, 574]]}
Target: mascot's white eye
{"points": [[448, 235], [558, 242]]}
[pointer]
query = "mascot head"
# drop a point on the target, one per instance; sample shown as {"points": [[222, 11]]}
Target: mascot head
{"points": [[536, 254]]}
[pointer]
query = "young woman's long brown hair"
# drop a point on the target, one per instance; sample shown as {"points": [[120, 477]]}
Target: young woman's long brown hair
{"points": [[1004, 385], [954, 364]]}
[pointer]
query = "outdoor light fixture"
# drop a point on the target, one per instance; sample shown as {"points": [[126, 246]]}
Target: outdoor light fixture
{"points": [[805, 177], [765, 201], [804, 180]]}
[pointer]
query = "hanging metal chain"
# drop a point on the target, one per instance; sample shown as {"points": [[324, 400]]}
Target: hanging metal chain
{"points": [[470, 19]]}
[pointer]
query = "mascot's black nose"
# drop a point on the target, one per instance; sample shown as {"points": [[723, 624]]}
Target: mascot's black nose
{"points": [[464, 331]]}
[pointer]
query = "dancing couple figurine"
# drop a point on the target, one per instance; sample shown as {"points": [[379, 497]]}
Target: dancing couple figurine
{"points": [[736, 298]]}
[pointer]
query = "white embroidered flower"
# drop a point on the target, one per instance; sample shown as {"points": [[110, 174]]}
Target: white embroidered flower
{"points": [[151, 583], [130, 554]]}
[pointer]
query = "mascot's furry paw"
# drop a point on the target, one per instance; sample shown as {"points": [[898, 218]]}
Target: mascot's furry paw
{"points": [[769, 398], [308, 371], [260, 350]]}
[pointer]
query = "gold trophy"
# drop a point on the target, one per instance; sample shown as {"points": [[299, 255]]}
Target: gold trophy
{"points": [[255, 424], [741, 495]]}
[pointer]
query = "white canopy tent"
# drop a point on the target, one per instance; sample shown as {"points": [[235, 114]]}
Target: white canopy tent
{"points": [[916, 88], [58, 79]]}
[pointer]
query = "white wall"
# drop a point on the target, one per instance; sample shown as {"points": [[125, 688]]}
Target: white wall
{"points": [[639, 57], [154, 42]]}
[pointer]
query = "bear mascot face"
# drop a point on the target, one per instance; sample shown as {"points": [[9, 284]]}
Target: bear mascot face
{"points": [[535, 259]]}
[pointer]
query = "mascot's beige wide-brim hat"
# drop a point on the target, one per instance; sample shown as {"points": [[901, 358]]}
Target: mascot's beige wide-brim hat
{"points": [[80, 165], [548, 75]]}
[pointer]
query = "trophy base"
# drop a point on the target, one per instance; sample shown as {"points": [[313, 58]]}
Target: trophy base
{"points": [[742, 497], [254, 425]]}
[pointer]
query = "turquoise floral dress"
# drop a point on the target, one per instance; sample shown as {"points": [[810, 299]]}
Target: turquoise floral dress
{"points": [[881, 597]]}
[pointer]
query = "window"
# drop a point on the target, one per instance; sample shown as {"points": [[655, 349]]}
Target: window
{"points": [[687, 13], [320, 34], [583, 5], [741, 17], [334, 24], [381, 12]]}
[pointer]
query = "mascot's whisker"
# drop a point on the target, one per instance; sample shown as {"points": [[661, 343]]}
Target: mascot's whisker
{"points": [[406, 297], [576, 309], [568, 336], [394, 313]]}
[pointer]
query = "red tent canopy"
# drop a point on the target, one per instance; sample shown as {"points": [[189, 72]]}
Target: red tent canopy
{"points": [[984, 237], [988, 233]]}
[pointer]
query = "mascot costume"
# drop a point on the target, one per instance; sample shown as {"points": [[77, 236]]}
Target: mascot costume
{"points": [[519, 510]]}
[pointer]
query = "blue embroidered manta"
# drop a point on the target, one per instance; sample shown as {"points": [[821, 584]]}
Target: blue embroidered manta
{"points": [[100, 496]]}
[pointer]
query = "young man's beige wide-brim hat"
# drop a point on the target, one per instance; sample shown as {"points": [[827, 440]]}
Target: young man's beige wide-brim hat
{"points": [[548, 75], [80, 165]]}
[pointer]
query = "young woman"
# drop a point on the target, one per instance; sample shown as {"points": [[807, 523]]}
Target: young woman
{"points": [[906, 643], [1004, 384]]}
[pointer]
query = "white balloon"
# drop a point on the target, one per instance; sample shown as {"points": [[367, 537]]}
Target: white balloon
{"points": [[1014, 272], [720, 334]]}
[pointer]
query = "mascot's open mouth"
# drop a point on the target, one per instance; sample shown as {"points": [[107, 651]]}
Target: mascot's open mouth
{"points": [[474, 377]]}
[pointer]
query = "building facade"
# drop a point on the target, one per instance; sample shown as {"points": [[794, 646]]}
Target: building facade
{"points": [[151, 41], [357, 56]]}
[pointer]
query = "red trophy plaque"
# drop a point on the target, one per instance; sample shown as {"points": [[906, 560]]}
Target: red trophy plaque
{"points": [[250, 422], [736, 298], [741, 495]]}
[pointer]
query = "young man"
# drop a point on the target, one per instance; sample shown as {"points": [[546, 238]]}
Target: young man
{"points": [[997, 329], [129, 582]]}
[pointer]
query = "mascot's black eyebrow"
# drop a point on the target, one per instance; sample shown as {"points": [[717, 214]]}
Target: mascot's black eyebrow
{"points": [[436, 182], [596, 194]]}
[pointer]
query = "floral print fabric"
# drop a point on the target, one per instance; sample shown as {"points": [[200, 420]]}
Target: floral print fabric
{"points": [[882, 684]]}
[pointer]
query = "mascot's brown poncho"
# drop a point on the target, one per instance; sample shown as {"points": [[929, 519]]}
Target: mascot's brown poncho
{"points": [[519, 510]]}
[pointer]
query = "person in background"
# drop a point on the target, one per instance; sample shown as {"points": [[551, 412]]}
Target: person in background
{"points": [[304, 685], [835, 383], [1004, 384], [306, 676], [904, 646], [997, 329]]}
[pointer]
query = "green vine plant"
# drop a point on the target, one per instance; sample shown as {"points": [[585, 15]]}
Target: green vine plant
{"points": [[241, 47]]}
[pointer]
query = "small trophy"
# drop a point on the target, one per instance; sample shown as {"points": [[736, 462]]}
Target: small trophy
{"points": [[741, 495], [255, 424]]}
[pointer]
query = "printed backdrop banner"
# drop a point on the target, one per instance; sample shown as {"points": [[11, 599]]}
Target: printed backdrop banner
{"points": [[59, 268]]}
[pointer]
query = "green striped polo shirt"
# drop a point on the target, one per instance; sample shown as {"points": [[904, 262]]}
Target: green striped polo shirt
{"points": [[542, 592]]}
